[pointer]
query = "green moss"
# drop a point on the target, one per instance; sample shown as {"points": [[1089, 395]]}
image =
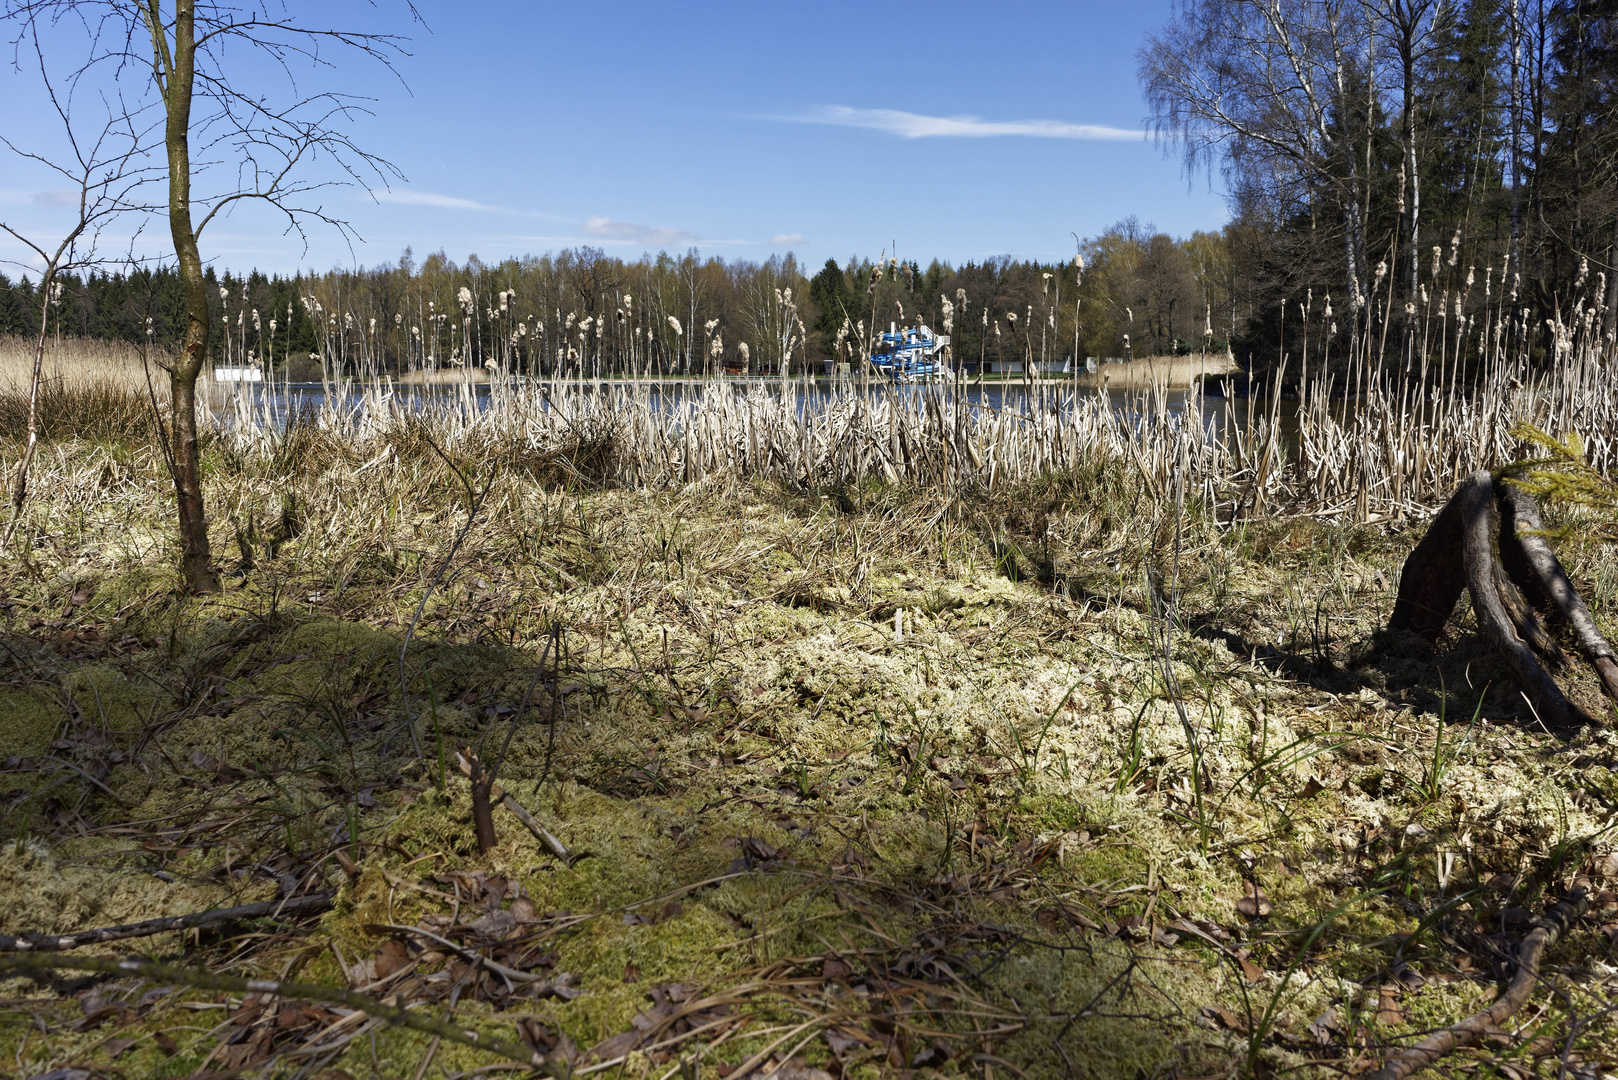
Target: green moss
{"points": [[31, 722]]}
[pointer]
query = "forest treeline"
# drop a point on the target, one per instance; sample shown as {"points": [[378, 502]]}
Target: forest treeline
{"points": [[1420, 161], [1130, 291]]}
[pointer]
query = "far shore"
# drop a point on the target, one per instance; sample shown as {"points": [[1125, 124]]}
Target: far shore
{"points": [[1174, 372], [117, 362], [1171, 372]]}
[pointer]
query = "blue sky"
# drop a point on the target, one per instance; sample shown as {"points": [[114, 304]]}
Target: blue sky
{"points": [[957, 131]]}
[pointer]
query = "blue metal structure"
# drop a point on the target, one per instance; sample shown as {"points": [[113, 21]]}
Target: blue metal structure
{"points": [[911, 355]]}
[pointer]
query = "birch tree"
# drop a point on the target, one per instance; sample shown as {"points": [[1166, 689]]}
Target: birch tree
{"points": [[1260, 86]]}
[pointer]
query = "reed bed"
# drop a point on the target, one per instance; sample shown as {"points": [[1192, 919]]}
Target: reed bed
{"points": [[1395, 446]]}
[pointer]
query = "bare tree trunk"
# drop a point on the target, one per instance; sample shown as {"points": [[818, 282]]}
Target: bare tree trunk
{"points": [[178, 69], [1609, 319], [19, 490]]}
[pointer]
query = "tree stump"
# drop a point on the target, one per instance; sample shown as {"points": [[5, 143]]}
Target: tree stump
{"points": [[1510, 591]]}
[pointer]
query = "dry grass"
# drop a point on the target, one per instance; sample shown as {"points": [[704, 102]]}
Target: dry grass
{"points": [[975, 841], [71, 362], [862, 712]]}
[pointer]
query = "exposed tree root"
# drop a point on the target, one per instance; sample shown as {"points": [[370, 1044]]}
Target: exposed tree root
{"points": [[1458, 553], [1547, 929], [296, 905], [1529, 559]]}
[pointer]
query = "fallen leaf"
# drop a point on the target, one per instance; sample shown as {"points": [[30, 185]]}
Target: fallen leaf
{"points": [[1255, 904], [1388, 1011], [391, 957], [843, 1039], [1324, 1026], [631, 973], [1252, 971], [615, 1046], [115, 1047], [1223, 1017], [97, 1018], [165, 1043]]}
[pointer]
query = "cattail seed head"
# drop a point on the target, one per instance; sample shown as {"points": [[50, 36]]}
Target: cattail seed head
{"points": [[674, 324]]}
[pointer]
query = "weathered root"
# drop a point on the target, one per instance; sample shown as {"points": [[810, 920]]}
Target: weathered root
{"points": [[1434, 576], [1547, 928], [1458, 553], [1536, 569]]}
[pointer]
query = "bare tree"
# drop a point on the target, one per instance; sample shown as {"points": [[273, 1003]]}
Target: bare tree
{"points": [[1266, 87], [1411, 30], [225, 141], [106, 144]]}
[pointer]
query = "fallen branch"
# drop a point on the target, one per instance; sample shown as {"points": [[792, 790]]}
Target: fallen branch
{"points": [[1547, 929], [207, 980], [295, 905]]}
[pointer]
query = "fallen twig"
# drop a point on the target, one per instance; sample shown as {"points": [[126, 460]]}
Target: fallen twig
{"points": [[58, 942], [207, 980], [1547, 929]]}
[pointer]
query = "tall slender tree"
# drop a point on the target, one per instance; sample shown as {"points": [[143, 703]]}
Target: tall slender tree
{"points": [[274, 146]]}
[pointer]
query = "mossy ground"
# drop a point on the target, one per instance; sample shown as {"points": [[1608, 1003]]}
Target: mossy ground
{"points": [[931, 736]]}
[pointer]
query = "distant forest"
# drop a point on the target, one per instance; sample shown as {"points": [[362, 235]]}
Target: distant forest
{"points": [[1138, 293]]}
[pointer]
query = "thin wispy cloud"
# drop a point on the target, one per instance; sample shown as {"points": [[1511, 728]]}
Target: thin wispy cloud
{"points": [[911, 125], [608, 231], [428, 198], [57, 197], [784, 238]]}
